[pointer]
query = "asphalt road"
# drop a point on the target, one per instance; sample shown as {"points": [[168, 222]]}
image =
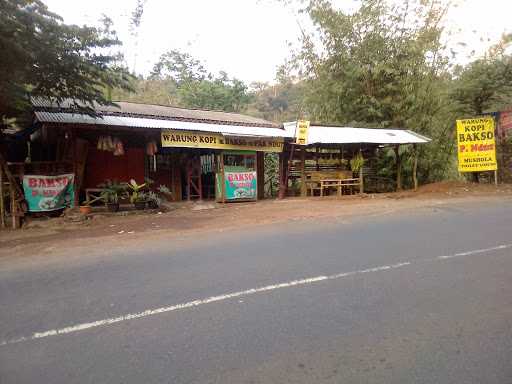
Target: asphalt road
{"points": [[418, 297]]}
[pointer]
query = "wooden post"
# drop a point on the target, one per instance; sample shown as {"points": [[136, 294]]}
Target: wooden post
{"points": [[288, 167], [75, 167], [222, 177], [13, 206], [398, 168], [173, 193], [200, 177], [2, 207], [415, 166], [282, 176], [496, 177], [14, 209], [361, 180], [260, 175], [303, 186]]}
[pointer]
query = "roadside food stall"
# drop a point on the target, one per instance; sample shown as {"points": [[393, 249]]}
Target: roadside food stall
{"points": [[319, 159], [191, 154], [233, 159]]}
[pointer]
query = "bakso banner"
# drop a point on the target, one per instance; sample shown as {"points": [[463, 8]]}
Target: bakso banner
{"points": [[240, 185], [476, 146], [48, 193], [191, 139]]}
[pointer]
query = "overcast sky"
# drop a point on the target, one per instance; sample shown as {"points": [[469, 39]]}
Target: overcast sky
{"points": [[246, 38]]}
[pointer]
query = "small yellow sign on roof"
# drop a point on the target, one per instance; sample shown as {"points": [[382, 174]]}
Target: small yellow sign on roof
{"points": [[302, 132]]}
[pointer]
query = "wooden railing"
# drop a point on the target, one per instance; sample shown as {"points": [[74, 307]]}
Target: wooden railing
{"points": [[10, 187]]}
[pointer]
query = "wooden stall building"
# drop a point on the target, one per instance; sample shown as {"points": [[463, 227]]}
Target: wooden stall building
{"points": [[319, 159], [196, 154]]}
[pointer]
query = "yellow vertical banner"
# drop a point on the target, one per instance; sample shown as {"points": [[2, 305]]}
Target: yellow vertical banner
{"points": [[301, 135], [476, 145]]}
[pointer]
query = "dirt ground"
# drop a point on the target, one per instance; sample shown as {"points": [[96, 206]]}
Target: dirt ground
{"points": [[45, 235]]}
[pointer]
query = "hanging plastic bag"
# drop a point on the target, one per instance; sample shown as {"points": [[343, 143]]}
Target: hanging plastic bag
{"points": [[109, 144], [118, 147], [151, 148]]}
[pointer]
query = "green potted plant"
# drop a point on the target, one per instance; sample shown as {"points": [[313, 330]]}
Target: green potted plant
{"points": [[140, 201], [166, 192], [138, 197], [154, 200], [110, 194]]}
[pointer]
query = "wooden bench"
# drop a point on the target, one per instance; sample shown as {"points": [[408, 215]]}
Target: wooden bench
{"points": [[323, 181], [93, 195]]}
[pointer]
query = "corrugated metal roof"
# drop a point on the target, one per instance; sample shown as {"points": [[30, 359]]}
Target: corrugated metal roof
{"points": [[160, 112], [137, 122], [347, 135]]}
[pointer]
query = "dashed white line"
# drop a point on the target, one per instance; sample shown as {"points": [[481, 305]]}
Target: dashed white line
{"points": [[476, 251], [213, 299]]}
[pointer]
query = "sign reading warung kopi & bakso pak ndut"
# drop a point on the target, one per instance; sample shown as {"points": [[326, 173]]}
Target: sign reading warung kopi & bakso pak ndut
{"points": [[191, 139], [476, 145]]}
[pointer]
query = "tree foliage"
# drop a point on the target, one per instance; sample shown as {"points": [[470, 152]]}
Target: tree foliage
{"points": [[373, 65], [195, 87], [135, 22], [149, 91], [42, 56], [282, 101], [218, 93], [136, 17], [178, 66], [485, 85], [381, 66]]}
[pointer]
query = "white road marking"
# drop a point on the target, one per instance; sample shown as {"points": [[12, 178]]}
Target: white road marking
{"points": [[213, 299], [476, 251]]}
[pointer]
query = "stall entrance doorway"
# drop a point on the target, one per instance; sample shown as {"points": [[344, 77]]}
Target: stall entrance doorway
{"points": [[207, 174], [199, 175]]}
